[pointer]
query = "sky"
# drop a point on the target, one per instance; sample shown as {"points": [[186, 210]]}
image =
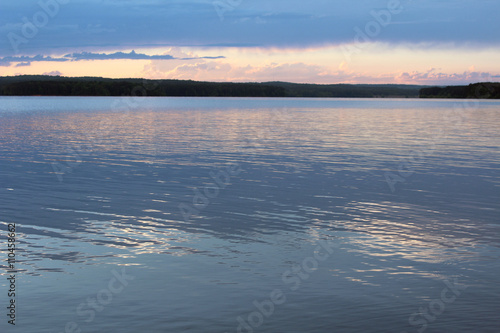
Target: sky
{"points": [[426, 42]]}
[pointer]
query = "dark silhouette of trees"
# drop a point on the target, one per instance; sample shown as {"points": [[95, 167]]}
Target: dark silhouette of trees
{"points": [[59, 86], [484, 90], [30, 85]]}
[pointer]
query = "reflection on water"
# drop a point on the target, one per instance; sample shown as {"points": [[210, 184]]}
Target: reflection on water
{"points": [[93, 186]]}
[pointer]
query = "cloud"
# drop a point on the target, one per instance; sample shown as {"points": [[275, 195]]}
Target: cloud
{"points": [[299, 72], [26, 60], [433, 76], [132, 55], [112, 25], [113, 56], [203, 70], [23, 64], [53, 73]]}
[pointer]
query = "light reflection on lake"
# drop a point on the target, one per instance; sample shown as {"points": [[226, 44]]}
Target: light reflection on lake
{"points": [[93, 188]]}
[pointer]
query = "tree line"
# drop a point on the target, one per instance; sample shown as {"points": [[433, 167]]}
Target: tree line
{"points": [[40, 85], [484, 90]]}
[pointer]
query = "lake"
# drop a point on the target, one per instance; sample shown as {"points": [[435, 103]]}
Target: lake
{"points": [[250, 215]]}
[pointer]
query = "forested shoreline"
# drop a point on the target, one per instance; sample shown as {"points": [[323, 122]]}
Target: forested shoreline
{"points": [[483, 90], [40, 85]]}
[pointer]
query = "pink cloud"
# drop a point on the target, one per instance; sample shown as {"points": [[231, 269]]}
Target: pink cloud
{"points": [[299, 72], [204, 70], [432, 76], [53, 73]]}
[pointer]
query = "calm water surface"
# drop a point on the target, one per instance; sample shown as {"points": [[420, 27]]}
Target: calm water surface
{"points": [[251, 215]]}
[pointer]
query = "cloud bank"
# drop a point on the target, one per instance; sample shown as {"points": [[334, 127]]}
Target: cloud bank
{"points": [[132, 55], [206, 70], [112, 24]]}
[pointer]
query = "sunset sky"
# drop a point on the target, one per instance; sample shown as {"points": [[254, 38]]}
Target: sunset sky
{"points": [[318, 41]]}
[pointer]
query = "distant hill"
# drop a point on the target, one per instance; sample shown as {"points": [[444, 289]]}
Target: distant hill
{"points": [[30, 85], [95, 86], [348, 90], [484, 90]]}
